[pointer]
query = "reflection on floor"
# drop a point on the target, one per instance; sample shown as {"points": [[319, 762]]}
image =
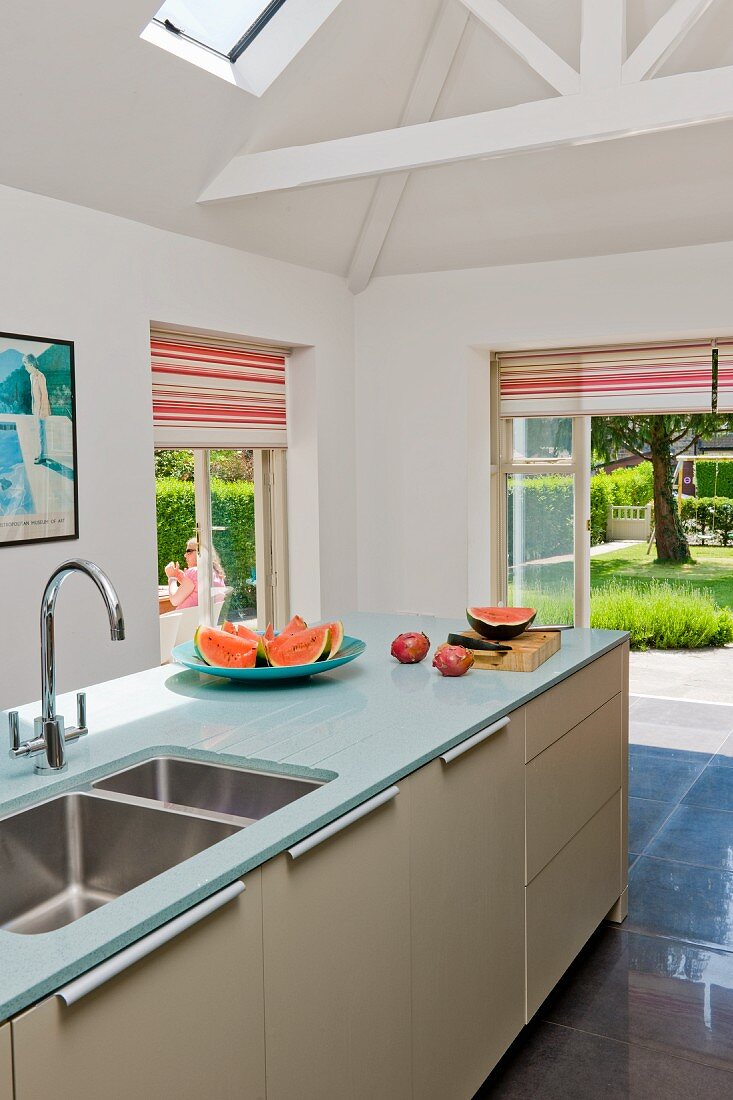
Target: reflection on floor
{"points": [[647, 1010]]}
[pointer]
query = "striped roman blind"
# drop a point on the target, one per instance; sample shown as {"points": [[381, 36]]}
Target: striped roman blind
{"points": [[606, 381], [210, 392]]}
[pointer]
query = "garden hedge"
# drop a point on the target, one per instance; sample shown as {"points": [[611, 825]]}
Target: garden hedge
{"points": [[232, 507], [548, 507], [706, 478]]}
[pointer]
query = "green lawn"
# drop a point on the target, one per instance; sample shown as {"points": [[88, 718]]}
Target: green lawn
{"points": [[712, 569], [549, 587]]}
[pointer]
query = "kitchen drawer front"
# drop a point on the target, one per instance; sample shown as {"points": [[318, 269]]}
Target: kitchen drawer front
{"points": [[183, 1022], [561, 708], [6, 1064], [567, 783], [568, 900]]}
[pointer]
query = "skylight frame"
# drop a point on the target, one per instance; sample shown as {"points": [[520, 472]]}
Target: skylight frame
{"points": [[265, 55], [256, 28]]}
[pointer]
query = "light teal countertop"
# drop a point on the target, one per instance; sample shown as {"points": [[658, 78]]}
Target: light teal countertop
{"points": [[363, 727]]}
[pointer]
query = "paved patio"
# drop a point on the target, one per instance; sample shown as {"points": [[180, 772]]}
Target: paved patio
{"points": [[704, 675]]}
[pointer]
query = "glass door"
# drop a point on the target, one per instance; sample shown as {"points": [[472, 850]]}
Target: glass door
{"points": [[545, 540], [222, 548]]}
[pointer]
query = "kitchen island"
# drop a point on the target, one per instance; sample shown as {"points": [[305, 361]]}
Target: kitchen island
{"points": [[399, 957]]}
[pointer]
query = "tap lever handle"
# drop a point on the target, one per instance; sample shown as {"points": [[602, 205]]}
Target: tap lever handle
{"points": [[81, 710], [14, 723]]}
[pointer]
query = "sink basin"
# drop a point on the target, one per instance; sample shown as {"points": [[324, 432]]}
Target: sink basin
{"points": [[68, 856], [228, 793]]}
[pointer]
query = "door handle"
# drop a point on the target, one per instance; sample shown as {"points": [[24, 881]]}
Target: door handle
{"points": [[471, 742], [79, 988], [343, 822]]}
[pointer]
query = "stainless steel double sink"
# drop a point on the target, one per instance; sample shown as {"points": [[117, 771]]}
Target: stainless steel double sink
{"points": [[65, 857]]}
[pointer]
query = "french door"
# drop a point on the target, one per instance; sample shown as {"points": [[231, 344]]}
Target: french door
{"points": [[230, 507], [544, 530]]}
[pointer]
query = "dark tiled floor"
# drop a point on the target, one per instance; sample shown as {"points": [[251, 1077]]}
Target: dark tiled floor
{"points": [[647, 1010], [714, 788]]}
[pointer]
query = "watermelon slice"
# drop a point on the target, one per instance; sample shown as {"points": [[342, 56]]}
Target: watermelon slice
{"points": [[305, 647], [500, 623], [222, 649], [295, 624], [250, 635], [337, 638]]}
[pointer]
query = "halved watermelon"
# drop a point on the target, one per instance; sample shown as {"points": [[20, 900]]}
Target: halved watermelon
{"points": [[296, 624], [500, 622], [304, 647], [223, 649]]}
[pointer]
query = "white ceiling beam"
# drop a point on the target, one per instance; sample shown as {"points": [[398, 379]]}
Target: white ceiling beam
{"points": [[666, 103], [602, 43], [664, 37], [435, 65], [518, 37]]}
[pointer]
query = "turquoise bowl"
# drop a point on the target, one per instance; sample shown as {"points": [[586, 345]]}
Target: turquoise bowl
{"points": [[185, 654]]}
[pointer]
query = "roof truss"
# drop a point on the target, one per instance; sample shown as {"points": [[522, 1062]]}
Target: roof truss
{"points": [[664, 37], [610, 98], [538, 55], [439, 55]]}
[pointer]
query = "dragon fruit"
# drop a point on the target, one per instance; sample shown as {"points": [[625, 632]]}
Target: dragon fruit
{"points": [[410, 648], [452, 660]]}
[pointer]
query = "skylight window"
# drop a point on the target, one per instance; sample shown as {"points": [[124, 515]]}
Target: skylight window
{"points": [[248, 43], [225, 26]]}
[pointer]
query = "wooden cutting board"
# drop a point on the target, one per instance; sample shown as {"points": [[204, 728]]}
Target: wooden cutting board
{"points": [[528, 652]]}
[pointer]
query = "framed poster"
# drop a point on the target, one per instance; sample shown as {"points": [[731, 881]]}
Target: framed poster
{"points": [[38, 482]]}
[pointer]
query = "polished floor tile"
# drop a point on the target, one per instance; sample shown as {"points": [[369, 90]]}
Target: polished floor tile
{"points": [[645, 819], [725, 754], [661, 777], [657, 992], [714, 788], [660, 753], [696, 834], [680, 900], [559, 1063]]}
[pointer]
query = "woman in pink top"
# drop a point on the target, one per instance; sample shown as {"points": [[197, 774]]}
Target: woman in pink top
{"points": [[183, 585]]}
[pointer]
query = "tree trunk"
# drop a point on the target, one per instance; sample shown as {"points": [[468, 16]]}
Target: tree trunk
{"points": [[670, 537]]}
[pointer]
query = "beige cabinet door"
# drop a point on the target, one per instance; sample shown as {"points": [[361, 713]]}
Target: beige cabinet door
{"points": [[6, 1064], [467, 872], [185, 1022], [336, 926]]}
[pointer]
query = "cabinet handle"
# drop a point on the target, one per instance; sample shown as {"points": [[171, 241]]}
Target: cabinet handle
{"points": [[343, 822], [79, 988], [482, 735]]}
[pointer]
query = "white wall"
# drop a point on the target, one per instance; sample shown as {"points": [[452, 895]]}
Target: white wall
{"points": [[76, 274], [423, 344]]}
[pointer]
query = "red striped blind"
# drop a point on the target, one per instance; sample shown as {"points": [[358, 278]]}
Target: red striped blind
{"points": [[209, 393], [649, 378]]}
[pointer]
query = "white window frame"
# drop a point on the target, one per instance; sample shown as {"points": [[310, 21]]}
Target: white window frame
{"points": [[579, 466], [279, 41]]}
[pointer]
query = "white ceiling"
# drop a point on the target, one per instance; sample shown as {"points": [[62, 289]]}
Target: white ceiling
{"points": [[93, 115]]}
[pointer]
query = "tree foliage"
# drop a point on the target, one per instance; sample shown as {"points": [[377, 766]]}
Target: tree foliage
{"points": [[660, 439]]}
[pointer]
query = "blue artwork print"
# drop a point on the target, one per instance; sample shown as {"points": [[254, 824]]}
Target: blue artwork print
{"points": [[38, 487], [15, 493]]}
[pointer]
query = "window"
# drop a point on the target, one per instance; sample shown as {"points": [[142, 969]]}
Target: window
{"points": [[227, 27], [248, 43]]}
